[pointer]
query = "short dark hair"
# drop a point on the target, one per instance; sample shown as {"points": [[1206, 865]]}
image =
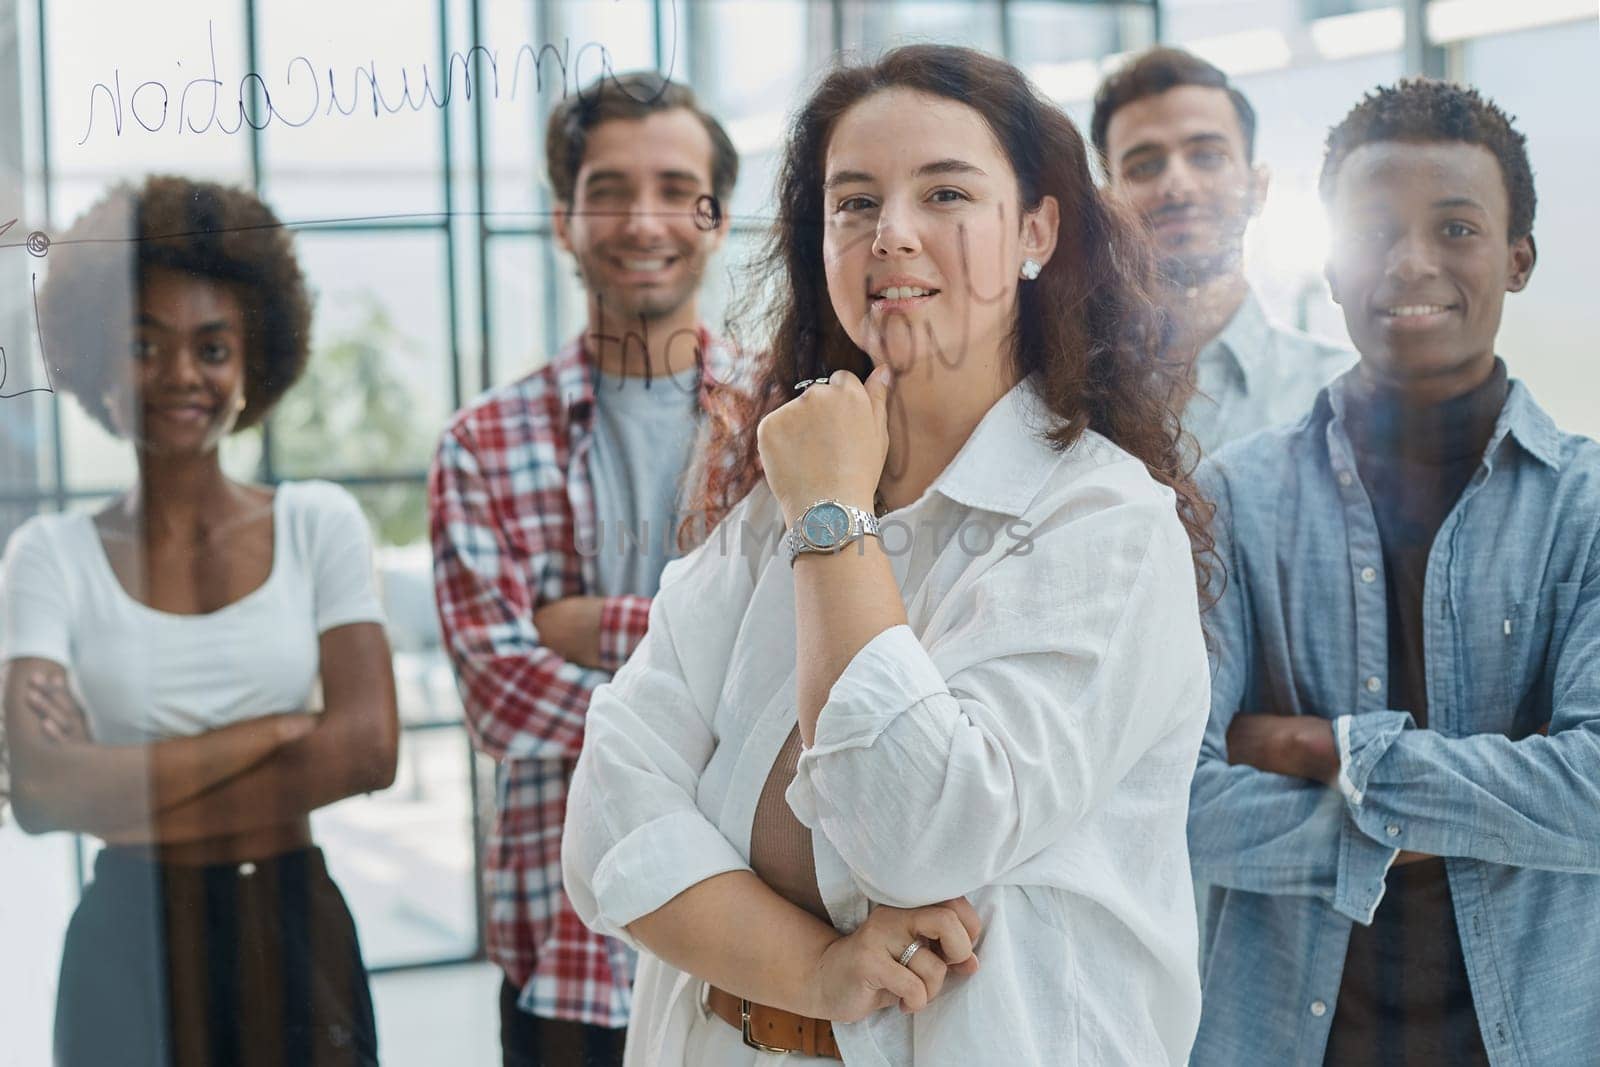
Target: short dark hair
{"points": [[1152, 73], [89, 300], [1426, 110], [632, 95]]}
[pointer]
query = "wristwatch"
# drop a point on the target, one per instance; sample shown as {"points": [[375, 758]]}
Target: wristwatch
{"points": [[826, 527]]}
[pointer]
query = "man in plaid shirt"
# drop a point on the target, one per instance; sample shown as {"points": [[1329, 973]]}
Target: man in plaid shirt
{"points": [[552, 505]]}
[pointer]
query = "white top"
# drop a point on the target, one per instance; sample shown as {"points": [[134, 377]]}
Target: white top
{"points": [[143, 674], [1027, 741]]}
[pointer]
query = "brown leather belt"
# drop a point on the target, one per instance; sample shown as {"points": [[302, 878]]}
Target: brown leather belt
{"points": [[773, 1029]]}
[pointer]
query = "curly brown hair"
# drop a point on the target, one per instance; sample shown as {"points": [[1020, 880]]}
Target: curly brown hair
{"points": [[1087, 330], [89, 300]]}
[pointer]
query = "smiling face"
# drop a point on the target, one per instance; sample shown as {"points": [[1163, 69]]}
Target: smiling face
{"points": [[1422, 261], [1179, 159], [184, 386], [921, 231], [632, 224]]}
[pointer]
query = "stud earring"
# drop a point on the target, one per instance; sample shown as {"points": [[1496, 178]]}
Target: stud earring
{"points": [[1031, 269], [242, 403]]}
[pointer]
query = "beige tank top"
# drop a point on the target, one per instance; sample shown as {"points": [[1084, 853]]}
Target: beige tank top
{"points": [[780, 845]]}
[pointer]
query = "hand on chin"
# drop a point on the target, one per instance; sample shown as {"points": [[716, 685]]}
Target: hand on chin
{"points": [[828, 443]]}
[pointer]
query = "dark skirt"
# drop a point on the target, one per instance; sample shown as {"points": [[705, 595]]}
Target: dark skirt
{"points": [[254, 964]]}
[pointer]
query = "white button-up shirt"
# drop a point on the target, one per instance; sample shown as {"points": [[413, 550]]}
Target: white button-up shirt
{"points": [[1027, 741]]}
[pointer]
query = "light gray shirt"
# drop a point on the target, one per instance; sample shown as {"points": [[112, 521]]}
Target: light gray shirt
{"points": [[644, 433], [1255, 374]]}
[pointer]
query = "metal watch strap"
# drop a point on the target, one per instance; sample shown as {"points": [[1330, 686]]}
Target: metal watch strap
{"points": [[862, 524]]}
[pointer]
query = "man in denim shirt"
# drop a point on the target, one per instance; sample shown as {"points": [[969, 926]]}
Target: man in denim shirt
{"points": [[1398, 797]]}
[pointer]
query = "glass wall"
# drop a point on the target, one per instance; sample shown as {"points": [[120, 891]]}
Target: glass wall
{"points": [[410, 166], [1548, 332]]}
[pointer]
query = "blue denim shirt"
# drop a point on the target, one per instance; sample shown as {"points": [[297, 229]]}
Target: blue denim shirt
{"points": [[1512, 635]]}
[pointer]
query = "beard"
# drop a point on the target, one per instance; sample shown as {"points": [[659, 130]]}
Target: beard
{"points": [[1192, 270], [1203, 262], [648, 304]]}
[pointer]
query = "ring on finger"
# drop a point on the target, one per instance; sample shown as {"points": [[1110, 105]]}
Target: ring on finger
{"points": [[911, 950], [808, 383]]}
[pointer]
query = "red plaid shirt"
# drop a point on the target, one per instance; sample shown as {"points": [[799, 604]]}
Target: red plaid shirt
{"points": [[509, 499]]}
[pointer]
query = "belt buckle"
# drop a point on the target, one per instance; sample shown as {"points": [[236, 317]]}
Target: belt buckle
{"points": [[749, 1039]]}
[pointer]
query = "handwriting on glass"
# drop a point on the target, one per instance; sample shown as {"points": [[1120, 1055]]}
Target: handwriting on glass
{"points": [[37, 244], [306, 94]]}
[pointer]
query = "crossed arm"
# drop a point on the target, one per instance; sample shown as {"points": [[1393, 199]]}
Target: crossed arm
{"points": [[1296, 746], [1263, 820], [261, 772], [527, 666], [643, 863]]}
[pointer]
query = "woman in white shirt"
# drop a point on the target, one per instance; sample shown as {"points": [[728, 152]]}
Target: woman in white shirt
{"points": [[812, 789], [162, 654]]}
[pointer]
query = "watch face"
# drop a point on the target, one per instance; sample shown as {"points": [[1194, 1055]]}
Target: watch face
{"points": [[825, 525]]}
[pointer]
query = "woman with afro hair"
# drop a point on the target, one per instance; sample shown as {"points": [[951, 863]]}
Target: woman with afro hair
{"points": [[163, 654]]}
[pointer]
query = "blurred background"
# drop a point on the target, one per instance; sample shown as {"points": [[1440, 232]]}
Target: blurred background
{"points": [[425, 234]]}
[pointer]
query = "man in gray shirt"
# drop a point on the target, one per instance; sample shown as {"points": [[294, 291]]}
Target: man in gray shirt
{"points": [[553, 502], [1178, 144]]}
